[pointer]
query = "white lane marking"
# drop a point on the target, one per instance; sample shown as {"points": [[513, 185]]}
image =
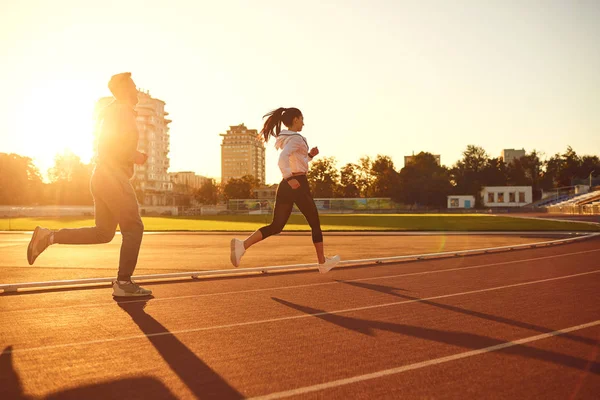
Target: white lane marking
{"points": [[422, 364], [264, 321], [193, 296]]}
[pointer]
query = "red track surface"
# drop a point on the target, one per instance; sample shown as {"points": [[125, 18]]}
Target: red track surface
{"points": [[405, 330]]}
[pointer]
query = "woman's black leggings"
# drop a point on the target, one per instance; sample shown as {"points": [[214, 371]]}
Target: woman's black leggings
{"points": [[284, 202]]}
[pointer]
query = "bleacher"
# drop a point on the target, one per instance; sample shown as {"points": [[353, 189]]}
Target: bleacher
{"points": [[586, 203], [550, 200]]}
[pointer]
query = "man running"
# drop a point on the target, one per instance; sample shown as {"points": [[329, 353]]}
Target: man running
{"points": [[115, 202]]}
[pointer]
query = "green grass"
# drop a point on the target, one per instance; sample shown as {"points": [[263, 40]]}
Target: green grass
{"points": [[332, 222]]}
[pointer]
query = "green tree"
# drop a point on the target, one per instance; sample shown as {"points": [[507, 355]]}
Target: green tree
{"points": [[241, 188], [366, 177], [20, 181], [571, 167], [70, 180], [385, 177], [467, 175], [532, 165], [208, 193], [494, 173], [349, 181], [423, 182], [323, 177]]}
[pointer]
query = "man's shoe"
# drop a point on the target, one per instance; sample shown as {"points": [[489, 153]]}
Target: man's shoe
{"points": [[237, 251], [129, 289], [40, 240], [329, 264]]}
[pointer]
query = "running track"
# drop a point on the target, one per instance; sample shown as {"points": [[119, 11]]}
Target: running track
{"points": [[473, 327]]}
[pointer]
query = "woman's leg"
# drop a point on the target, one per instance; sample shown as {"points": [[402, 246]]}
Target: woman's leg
{"points": [[284, 202], [307, 206], [281, 214]]}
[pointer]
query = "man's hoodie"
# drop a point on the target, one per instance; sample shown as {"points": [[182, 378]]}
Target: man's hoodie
{"points": [[294, 156], [118, 141]]}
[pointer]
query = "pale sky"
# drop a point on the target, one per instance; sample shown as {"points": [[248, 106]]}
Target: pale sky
{"points": [[370, 76]]}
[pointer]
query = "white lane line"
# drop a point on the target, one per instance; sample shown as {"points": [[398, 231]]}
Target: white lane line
{"points": [[193, 296], [265, 321], [422, 364]]}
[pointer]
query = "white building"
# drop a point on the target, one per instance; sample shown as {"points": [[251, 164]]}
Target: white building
{"points": [[242, 153], [151, 180], [506, 196], [461, 201]]}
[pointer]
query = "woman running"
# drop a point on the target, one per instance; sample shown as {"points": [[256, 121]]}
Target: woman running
{"points": [[293, 189]]}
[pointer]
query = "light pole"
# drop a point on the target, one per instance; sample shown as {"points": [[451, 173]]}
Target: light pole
{"points": [[591, 179]]}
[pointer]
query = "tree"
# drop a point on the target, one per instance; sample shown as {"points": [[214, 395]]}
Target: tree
{"points": [[533, 172], [494, 173], [323, 177], [571, 167], [564, 170], [550, 177], [366, 178], [349, 181], [385, 177], [467, 174], [424, 182], [208, 193], [20, 180], [241, 188], [70, 180]]}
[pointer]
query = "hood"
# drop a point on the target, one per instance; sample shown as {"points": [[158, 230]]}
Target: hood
{"points": [[284, 137]]}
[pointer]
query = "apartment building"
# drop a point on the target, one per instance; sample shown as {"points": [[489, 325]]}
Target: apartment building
{"points": [[151, 180], [242, 153]]}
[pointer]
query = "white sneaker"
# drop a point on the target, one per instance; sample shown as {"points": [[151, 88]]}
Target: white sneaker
{"points": [[129, 289], [40, 240], [329, 263], [237, 251]]}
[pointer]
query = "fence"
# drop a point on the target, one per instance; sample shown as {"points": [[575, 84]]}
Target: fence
{"points": [[587, 209], [73, 211], [262, 206]]}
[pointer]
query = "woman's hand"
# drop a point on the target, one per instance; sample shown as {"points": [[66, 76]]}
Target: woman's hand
{"points": [[294, 183], [313, 152]]}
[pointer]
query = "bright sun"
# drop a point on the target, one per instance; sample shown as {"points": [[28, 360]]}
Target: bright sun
{"points": [[54, 117]]}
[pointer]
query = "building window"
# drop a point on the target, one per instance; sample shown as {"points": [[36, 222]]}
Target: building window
{"points": [[453, 202], [512, 197], [521, 197], [501, 197], [491, 198]]}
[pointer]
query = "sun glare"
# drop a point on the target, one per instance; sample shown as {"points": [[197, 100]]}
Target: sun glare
{"points": [[57, 116]]}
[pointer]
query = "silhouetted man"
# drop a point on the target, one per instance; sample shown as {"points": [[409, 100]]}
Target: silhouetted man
{"points": [[114, 197]]}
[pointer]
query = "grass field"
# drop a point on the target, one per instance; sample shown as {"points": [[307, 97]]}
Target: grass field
{"points": [[333, 222]]}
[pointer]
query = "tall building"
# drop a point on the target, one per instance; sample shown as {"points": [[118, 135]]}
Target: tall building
{"points": [[151, 180], [508, 155], [409, 159], [242, 153]]}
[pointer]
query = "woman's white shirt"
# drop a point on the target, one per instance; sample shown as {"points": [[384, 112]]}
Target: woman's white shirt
{"points": [[294, 156]]}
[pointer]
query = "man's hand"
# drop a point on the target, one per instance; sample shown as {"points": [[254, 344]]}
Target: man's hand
{"points": [[294, 183], [313, 152], [140, 158]]}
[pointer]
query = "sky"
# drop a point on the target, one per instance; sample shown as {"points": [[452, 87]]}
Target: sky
{"points": [[370, 76]]}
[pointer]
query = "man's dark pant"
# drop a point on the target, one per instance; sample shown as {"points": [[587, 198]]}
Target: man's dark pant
{"points": [[114, 203]]}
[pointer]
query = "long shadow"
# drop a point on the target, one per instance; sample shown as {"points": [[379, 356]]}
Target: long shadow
{"points": [[461, 339], [143, 388], [392, 291], [10, 382], [195, 373], [130, 388]]}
